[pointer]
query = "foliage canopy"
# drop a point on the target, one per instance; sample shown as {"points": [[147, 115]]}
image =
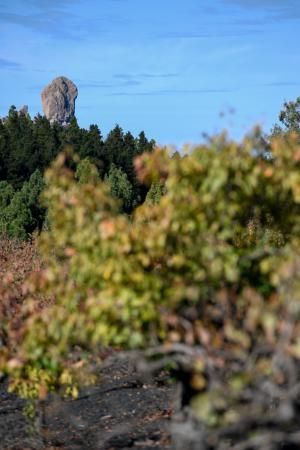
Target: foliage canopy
{"points": [[29, 146], [213, 264], [221, 241]]}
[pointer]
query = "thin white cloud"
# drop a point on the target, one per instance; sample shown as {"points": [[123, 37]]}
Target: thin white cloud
{"points": [[273, 9], [10, 65], [160, 92], [57, 19]]}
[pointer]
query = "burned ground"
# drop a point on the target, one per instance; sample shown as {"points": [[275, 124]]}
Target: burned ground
{"points": [[122, 412]]}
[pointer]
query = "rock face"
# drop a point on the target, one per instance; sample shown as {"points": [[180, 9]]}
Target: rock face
{"points": [[23, 111], [58, 99]]}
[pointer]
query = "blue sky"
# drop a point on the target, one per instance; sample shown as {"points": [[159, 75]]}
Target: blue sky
{"points": [[175, 68]]}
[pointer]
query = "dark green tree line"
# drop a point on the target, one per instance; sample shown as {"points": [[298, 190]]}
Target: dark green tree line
{"points": [[30, 145]]}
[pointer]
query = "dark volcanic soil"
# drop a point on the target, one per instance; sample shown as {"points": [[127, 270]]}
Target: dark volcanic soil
{"points": [[123, 412]]}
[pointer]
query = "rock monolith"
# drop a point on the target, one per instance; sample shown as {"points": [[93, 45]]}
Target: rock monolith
{"points": [[58, 100]]}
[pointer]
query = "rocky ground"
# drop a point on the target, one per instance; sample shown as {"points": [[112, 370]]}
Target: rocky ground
{"points": [[122, 412]]}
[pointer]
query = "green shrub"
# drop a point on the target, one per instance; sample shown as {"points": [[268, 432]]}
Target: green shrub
{"points": [[214, 263]]}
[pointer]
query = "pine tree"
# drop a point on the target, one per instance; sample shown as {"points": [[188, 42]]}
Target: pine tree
{"points": [[24, 213], [72, 134], [46, 142], [20, 158], [114, 146], [87, 172], [4, 148], [143, 145], [128, 154], [120, 187], [6, 194], [93, 147]]}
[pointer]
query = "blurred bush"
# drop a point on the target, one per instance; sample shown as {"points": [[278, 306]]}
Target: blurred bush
{"points": [[213, 264]]}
